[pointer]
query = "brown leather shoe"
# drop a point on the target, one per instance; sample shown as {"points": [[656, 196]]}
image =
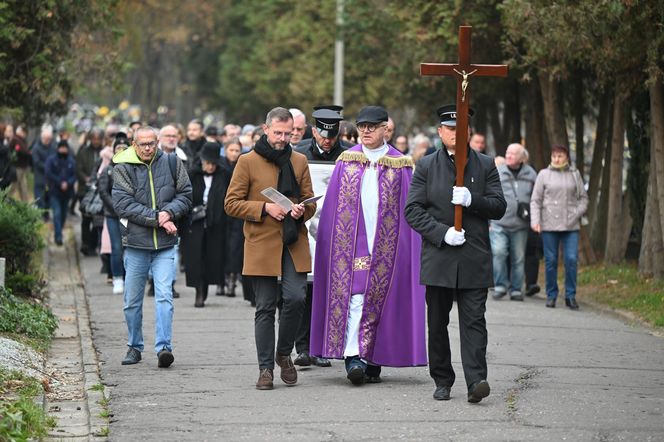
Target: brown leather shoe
{"points": [[265, 379], [288, 372]]}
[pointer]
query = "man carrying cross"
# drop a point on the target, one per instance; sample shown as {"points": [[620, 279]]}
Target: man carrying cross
{"points": [[455, 264]]}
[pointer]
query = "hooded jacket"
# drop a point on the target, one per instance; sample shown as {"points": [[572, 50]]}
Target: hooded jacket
{"points": [[142, 190]]}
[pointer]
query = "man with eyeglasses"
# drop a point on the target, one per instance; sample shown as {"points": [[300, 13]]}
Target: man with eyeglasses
{"points": [[368, 307], [148, 197], [456, 265], [276, 242]]}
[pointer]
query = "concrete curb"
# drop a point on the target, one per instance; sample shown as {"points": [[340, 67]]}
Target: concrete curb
{"points": [[76, 403]]}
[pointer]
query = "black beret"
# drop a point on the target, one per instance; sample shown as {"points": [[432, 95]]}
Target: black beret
{"points": [[372, 114]]}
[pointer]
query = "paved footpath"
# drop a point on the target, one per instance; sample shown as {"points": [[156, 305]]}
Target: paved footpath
{"points": [[555, 375]]}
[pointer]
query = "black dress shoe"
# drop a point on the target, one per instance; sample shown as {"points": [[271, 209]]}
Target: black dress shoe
{"points": [[356, 375], [372, 374], [478, 391], [320, 362], [571, 303], [551, 303], [303, 359], [442, 393], [533, 290]]}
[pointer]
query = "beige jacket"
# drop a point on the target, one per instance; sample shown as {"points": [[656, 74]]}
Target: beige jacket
{"points": [[559, 200], [262, 234]]}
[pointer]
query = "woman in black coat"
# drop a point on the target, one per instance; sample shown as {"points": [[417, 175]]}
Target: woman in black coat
{"points": [[234, 234], [203, 241]]}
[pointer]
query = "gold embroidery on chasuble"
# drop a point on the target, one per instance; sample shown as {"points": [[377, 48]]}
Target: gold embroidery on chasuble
{"points": [[382, 268], [343, 247]]}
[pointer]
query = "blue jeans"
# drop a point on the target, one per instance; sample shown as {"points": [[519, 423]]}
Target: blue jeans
{"points": [[551, 242], [176, 262], [504, 245], [59, 206], [137, 263], [113, 224]]}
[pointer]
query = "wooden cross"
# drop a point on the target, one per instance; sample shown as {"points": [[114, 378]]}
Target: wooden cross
{"points": [[463, 71]]}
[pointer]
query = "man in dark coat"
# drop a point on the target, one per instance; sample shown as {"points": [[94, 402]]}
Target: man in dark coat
{"points": [[325, 144], [455, 264], [60, 176], [86, 158]]}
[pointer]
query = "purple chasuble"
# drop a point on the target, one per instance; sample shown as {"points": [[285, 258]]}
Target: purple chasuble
{"points": [[392, 327]]}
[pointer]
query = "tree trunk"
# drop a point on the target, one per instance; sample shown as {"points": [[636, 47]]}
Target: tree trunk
{"points": [[598, 234], [615, 246], [536, 140], [651, 258], [497, 128], [599, 152], [554, 115], [512, 114], [579, 109]]}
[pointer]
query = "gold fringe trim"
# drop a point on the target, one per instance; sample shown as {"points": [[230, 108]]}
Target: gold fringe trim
{"points": [[396, 162], [358, 157], [392, 162]]}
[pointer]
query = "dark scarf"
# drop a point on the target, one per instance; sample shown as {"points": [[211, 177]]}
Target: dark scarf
{"points": [[332, 155], [287, 184]]}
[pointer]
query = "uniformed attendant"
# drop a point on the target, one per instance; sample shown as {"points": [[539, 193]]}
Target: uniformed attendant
{"points": [[455, 264], [325, 144]]}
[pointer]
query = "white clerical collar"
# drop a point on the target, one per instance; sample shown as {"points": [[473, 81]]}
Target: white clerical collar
{"points": [[375, 154]]}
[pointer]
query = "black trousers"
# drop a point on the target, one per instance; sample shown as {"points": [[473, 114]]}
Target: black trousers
{"points": [[471, 304], [303, 333], [266, 291], [533, 257]]}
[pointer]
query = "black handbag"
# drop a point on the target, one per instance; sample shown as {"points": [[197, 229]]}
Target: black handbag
{"points": [[522, 209], [198, 213]]}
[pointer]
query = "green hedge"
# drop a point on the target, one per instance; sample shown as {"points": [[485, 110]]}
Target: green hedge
{"points": [[20, 241], [26, 318]]}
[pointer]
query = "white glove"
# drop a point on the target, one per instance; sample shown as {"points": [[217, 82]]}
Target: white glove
{"points": [[454, 238], [461, 196]]}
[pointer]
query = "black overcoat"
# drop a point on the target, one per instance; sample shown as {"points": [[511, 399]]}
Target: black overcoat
{"points": [[234, 235], [203, 241], [430, 212]]}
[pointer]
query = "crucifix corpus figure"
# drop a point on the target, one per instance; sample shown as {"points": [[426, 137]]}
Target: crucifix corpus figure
{"points": [[463, 71], [456, 262]]}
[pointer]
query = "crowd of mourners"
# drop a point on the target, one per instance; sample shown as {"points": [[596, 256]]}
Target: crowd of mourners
{"points": [[154, 203]]}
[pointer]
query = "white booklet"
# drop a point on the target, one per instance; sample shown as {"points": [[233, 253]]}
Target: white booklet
{"points": [[282, 200]]}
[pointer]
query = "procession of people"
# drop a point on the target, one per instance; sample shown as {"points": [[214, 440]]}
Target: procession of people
{"points": [[232, 208]]}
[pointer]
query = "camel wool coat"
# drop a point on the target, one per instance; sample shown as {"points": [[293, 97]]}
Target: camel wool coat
{"points": [[263, 244]]}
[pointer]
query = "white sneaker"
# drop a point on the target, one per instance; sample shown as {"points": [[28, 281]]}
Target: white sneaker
{"points": [[118, 285]]}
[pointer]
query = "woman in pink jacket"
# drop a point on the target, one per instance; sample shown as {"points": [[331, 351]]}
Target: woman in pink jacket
{"points": [[557, 204]]}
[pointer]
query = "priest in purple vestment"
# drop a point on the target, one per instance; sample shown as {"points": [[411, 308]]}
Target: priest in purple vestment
{"points": [[368, 305]]}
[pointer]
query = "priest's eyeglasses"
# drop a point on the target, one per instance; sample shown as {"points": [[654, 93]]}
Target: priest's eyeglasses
{"points": [[369, 127]]}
